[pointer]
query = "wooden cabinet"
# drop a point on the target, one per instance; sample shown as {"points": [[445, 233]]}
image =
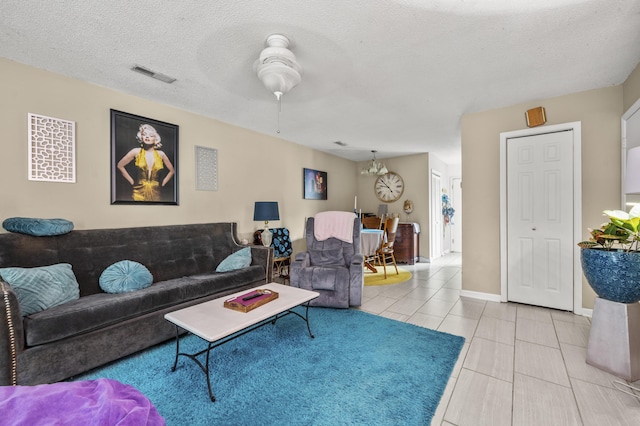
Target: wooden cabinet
{"points": [[407, 244]]}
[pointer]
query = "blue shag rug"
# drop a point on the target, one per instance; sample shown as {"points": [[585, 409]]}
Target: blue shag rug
{"points": [[361, 369]]}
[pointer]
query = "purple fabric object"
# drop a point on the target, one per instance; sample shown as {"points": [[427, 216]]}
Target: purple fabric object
{"points": [[252, 297], [90, 402]]}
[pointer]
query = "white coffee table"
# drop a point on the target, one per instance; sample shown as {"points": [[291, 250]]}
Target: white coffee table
{"points": [[217, 325]]}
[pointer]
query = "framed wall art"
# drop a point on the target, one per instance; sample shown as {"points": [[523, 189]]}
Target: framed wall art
{"points": [[206, 168], [314, 184], [144, 160], [52, 149]]}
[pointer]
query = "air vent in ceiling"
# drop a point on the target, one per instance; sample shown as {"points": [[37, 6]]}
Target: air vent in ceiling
{"points": [[153, 74]]}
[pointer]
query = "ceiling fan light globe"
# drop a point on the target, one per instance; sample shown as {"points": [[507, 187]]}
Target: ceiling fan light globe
{"points": [[277, 77], [277, 67]]}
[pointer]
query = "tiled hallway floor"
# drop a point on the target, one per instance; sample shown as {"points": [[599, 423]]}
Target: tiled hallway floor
{"points": [[520, 365]]}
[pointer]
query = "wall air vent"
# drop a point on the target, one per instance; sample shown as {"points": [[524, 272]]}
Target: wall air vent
{"points": [[153, 74]]}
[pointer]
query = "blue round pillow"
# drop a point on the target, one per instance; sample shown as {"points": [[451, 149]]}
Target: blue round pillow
{"points": [[37, 227], [125, 276]]}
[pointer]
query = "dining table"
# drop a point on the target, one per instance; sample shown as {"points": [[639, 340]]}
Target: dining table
{"points": [[370, 240]]}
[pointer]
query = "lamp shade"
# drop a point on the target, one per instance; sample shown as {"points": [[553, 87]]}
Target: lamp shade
{"points": [[632, 176], [266, 210]]}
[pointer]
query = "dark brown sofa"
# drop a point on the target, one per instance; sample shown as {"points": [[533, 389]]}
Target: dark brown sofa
{"points": [[74, 337]]}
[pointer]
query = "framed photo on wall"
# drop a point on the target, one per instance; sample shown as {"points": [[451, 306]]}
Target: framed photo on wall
{"points": [[314, 184], [144, 160]]}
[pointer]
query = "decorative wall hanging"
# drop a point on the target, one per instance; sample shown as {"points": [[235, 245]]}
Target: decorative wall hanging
{"points": [[144, 160], [315, 184], [536, 117], [447, 210], [206, 169], [52, 149], [408, 206]]}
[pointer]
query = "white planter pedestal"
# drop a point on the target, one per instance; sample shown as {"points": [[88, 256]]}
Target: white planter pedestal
{"points": [[614, 340]]}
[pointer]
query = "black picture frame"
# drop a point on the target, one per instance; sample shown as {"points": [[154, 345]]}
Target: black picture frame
{"points": [[125, 129], [314, 184]]}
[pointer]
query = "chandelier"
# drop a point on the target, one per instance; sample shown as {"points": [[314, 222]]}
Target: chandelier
{"points": [[374, 167], [277, 68]]}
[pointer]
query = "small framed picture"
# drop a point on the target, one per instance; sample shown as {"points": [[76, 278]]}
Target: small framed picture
{"points": [[144, 160], [314, 184]]}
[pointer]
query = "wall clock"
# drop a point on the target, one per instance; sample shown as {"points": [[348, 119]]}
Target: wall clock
{"points": [[389, 187]]}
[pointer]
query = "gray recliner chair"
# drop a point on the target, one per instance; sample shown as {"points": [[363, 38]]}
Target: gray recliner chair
{"points": [[333, 268]]}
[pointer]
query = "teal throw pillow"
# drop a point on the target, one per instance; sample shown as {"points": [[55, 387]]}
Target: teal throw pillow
{"points": [[125, 276], [37, 227], [238, 260], [43, 287]]}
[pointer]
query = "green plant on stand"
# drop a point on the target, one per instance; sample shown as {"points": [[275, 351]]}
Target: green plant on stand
{"points": [[621, 232], [611, 258], [611, 265]]}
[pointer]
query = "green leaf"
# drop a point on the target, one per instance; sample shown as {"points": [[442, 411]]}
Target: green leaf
{"points": [[634, 223]]}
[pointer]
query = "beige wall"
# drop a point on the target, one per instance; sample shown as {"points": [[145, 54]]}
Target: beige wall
{"points": [[242, 179], [414, 170], [631, 88], [598, 110], [252, 167]]}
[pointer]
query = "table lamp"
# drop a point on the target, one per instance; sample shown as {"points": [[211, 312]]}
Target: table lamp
{"points": [[266, 210]]}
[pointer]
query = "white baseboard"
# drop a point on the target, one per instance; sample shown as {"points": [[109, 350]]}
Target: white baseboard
{"points": [[496, 298], [482, 296], [584, 312]]}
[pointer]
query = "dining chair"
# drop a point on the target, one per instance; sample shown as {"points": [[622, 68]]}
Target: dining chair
{"points": [[385, 252]]}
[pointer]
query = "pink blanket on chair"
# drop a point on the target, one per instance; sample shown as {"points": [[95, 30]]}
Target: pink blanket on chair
{"points": [[334, 225]]}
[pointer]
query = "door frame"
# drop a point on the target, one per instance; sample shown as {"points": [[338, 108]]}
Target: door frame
{"points": [[455, 203], [435, 230], [576, 127], [633, 109]]}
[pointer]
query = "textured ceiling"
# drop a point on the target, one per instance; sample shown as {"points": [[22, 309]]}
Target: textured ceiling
{"points": [[390, 75]]}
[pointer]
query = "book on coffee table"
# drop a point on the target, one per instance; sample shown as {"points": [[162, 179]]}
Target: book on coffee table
{"points": [[251, 300]]}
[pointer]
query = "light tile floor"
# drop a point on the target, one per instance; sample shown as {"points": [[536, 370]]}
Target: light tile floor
{"points": [[520, 365]]}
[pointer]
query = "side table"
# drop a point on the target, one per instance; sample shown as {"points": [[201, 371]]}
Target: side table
{"points": [[281, 268], [407, 243]]}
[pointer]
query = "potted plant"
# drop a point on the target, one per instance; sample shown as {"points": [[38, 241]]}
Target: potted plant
{"points": [[611, 258]]}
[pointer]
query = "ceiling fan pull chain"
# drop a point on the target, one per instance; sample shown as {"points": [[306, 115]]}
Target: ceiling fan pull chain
{"points": [[279, 110]]}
